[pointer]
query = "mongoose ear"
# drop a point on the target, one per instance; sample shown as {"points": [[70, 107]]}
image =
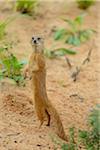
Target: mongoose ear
{"points": [[43, 38]]}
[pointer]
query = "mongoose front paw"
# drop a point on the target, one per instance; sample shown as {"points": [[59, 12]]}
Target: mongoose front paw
{"points": [[26, 72]]}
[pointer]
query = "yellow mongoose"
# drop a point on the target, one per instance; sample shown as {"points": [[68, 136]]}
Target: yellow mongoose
{"points": [[37, 72]]}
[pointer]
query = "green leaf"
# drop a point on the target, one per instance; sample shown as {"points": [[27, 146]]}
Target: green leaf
{"points": [[94, 120], [76, 41], [64, 51], [1, 75], [70, 22], [59, 34], [58, 52], [73, 40], [2, 49], [3, 25], [83, 134], [6, 63], [48, 53], [69, 40], [82, 37], [65, 147], [85, 34], [79, 19], [15, 63], [85, 4], [18, 78], [72, 132]]}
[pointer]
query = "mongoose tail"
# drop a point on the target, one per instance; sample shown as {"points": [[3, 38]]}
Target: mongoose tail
{"points": [[57, 121]]}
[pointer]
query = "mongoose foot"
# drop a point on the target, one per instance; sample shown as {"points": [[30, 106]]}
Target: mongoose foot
{"points": [[48, 117], [48, 124]]}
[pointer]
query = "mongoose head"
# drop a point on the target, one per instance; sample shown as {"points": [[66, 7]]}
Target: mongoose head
{"points": [[37, 44]]}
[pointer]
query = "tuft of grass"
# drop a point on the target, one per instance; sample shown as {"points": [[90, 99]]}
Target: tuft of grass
{"points": [[10, 66], [91, 139], [74, 35], [85, 4], [26, 6], [71, 145], [3, 26]]}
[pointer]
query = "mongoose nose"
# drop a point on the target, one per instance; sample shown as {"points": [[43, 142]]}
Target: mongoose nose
{"points": [[35, 41]]}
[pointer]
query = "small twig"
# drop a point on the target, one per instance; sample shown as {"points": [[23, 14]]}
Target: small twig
{"points": [[13, 134], [76, 95], [68, 62], [75, 74], [88, 57], [67, 59], [78, 69]]}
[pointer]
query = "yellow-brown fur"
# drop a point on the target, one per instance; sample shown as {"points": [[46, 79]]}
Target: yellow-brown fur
{"points": [[43, 106]]}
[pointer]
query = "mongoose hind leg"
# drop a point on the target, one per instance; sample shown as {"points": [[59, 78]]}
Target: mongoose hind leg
{"points": [[48, 117]]}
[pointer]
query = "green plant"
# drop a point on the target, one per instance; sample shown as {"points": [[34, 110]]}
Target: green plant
{"points": [[10, 66], [3, 25], [85, 4], [89, 140], [26, 6], [58, 52], [71, 145], [74, 35]]}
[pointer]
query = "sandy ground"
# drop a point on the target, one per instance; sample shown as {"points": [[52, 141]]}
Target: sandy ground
{"points": [[19, 126]]}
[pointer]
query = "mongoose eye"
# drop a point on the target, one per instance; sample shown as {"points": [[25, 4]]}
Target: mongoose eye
{"points": [[32, 38], [38, 38]]}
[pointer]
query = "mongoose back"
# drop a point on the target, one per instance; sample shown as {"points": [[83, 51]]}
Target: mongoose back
{"points": [[37, 70]]}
